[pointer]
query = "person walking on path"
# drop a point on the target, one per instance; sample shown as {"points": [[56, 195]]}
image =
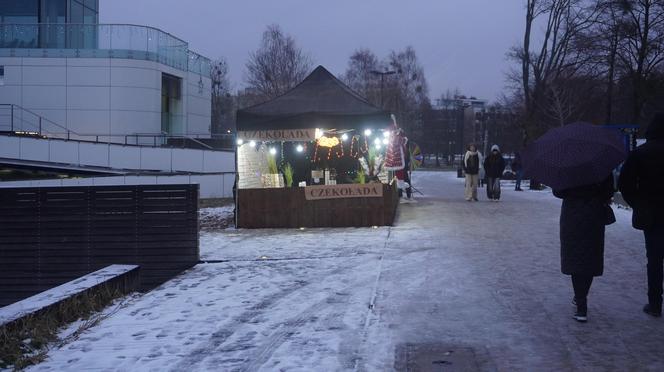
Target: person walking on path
{"points": [[517, 168], [494, 165], [471, 167], [642, 186], [585, 212]]}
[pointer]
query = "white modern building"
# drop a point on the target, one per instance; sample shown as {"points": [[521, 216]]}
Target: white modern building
{"points": [[97, 81], [109, 99]]}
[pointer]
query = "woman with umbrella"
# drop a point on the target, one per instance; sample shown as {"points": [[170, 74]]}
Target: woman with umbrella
{"points": [[577, 162]]}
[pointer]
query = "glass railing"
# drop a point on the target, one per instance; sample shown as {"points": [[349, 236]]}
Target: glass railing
{"points": [[99, 41]]}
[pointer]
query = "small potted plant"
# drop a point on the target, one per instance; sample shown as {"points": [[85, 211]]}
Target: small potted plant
{"points": [[288, 174], [273, 178]]}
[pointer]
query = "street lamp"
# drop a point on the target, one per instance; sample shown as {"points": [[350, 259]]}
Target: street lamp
{"points": [[382, 81]]}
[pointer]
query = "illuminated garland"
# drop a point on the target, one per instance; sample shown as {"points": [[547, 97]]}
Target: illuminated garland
{"points": [[315, 153], [341, 147]]}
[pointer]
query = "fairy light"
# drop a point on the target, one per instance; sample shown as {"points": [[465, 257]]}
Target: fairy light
{"points": [[386, 141], [315, 153], [352, 144], [344, 137], [367, 132], [340, 154]]}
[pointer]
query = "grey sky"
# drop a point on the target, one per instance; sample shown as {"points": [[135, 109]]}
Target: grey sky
{"points": [[460, 43]]}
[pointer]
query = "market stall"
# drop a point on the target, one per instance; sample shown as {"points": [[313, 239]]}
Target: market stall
{"points": [[315, 157]]}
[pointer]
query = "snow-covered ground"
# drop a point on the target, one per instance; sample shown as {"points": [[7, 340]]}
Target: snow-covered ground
{"points": [[480, 275]]}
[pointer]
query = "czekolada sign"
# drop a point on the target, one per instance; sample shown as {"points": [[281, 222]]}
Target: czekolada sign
{"points": [[278, 135], [370, 190]]}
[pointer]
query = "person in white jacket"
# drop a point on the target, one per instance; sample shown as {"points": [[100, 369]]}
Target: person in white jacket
{"points": [[472, 162]]}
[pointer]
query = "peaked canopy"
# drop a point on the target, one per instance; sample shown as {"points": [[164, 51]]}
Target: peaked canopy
{"points": [[319, 101]]}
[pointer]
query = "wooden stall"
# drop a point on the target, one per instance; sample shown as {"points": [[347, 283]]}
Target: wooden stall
{"points": [[312, 158]]}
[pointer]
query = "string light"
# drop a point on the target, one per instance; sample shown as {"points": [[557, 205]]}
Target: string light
{"points": [[352, 143], [344, 137], [386, 134], [340, 154], [314, 159], [386, 141]]}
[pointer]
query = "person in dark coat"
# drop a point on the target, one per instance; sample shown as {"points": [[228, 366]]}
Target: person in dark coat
{"points": [[517, 168], [471, 167], [642, 186], [494, 165], [583, 217]]}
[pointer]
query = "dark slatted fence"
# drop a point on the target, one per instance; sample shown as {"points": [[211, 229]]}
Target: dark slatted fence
{"points": [[51, 235]]}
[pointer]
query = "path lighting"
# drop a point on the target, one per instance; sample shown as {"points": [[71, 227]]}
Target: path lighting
{"points": [[273, 151], [240, 141], [252, 143], [344, 137], [299, 148], [367, 132]]}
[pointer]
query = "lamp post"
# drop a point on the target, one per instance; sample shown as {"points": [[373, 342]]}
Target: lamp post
{"points": [[382, 81]]}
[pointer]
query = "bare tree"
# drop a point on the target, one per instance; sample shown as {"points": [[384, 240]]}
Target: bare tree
{"points": [[556, 59], [277, 66], [358, 75], [641, 48], [223, 108]]}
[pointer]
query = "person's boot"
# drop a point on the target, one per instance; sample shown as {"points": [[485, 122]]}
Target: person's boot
{"points": [[654, 311], [581, 314]]}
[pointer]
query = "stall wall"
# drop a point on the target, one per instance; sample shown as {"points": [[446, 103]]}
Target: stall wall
{"points": [[251, 164]]}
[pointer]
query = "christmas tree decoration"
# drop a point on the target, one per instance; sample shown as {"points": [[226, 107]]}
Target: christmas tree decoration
{"points": [[395, 157]]}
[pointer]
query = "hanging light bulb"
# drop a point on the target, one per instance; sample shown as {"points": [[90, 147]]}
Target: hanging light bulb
{"points": [[386, 141], [377, 141], [386, 134], [299, 148], [344, 137], [252, 143], [273, 151], [378, 146], [367, 132], [240, 141]]}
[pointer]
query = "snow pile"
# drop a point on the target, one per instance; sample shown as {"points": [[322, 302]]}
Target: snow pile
{"points": [[218, 218]]}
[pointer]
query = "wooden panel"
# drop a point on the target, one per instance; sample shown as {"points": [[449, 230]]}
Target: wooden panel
{"points": [[288, 208], [51, 235]]}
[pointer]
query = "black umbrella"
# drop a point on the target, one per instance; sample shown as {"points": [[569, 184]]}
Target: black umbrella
{"points": [[574, 155]]}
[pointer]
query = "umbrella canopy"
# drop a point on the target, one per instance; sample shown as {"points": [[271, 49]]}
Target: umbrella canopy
{"points": [[574, 155]]}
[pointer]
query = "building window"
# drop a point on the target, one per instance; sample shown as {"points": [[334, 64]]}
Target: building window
{"points": [[2, 75]]}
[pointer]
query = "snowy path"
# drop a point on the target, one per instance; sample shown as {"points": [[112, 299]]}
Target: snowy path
{"points": [[482, 275]]}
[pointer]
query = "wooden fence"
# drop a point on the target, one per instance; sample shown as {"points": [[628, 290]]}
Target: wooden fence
{"points": [[51, 235], [288, 208]]}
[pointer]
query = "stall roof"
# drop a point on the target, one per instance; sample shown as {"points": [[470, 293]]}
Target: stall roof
{"points": [[319, 101]]}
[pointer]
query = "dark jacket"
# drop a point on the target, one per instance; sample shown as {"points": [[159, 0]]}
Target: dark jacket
{"points": [[471, 164], [582, 220], [642, 179], [494, 165]]}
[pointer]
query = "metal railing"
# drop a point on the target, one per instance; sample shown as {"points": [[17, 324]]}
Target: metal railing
{"points": [[126, 41], [18, 121]]}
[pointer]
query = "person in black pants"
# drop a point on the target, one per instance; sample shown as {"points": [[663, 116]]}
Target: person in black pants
{"points": [[583, 217], [642, 186]]}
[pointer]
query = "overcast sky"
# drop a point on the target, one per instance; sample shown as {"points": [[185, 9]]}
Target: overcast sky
{"points": [[460, 43]]}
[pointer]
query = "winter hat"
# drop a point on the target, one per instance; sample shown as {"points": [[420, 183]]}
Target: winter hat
{"points": [[656, 128], [495, 148]]}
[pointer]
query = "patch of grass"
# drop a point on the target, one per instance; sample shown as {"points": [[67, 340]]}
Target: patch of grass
{"points": [[26, 341]]}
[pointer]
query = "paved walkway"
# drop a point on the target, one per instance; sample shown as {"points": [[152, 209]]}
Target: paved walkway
{"points": [[479, 277]]}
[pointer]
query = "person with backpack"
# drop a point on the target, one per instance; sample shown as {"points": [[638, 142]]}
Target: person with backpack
{"points": [[471, 167], [494, 165]]}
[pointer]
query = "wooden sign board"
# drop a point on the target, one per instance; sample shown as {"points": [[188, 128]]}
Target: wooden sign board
{"points": [[277, 135], [353, 190]]}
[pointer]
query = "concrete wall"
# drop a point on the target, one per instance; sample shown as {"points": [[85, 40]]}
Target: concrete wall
{"points": [[102, 96], [119, 157], [218, 185]]}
